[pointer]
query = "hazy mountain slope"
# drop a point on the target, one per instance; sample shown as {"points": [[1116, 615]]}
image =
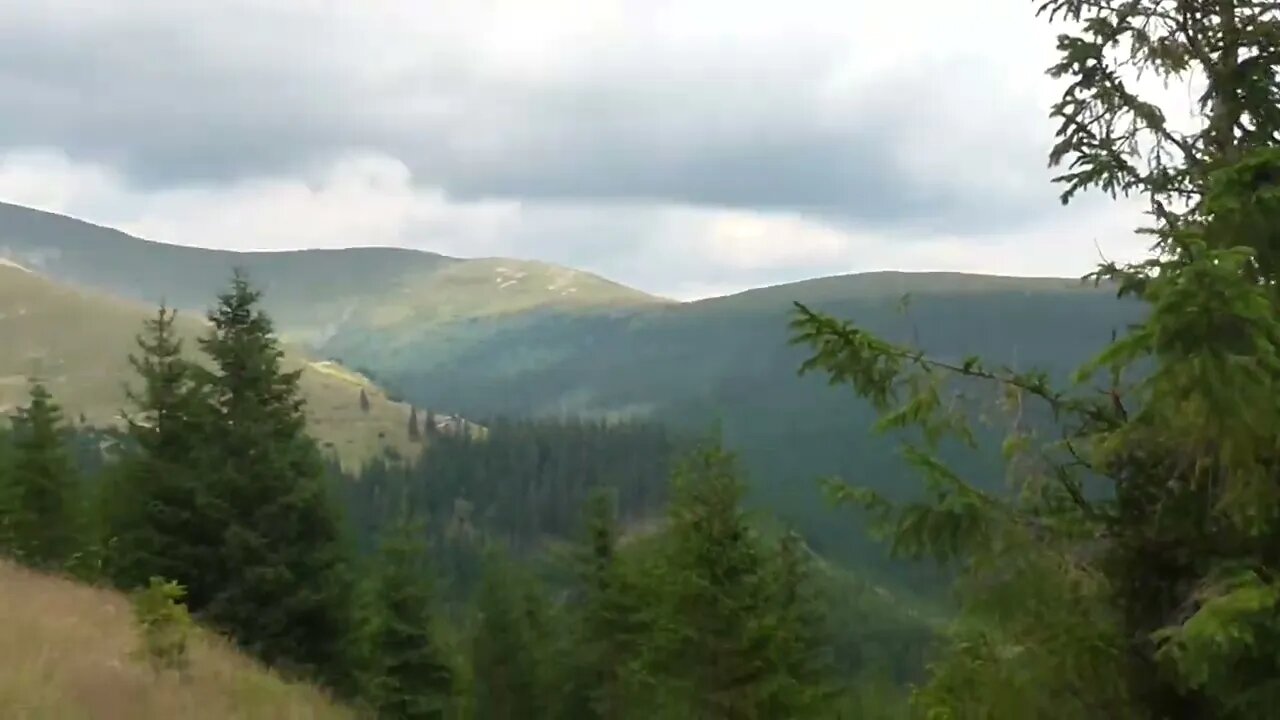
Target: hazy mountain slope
{"points": [[729, 360], [67, 653], [79, 342], [311, 293]]}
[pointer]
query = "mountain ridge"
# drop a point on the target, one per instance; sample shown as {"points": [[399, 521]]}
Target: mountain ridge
{"points": [[305, 289], [460, 342]]}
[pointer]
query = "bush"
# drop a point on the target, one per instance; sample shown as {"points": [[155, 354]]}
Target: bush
{"points": [[164, 624]]}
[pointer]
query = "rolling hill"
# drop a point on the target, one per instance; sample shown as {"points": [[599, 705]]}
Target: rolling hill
{"points": [[68, 655], [312, 294], [78, 342], [485, 337], [728, 363]]}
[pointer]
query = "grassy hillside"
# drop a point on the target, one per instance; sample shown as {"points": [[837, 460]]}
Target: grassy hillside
{"points": [[67, 656], [312, 293], [79, 342]]}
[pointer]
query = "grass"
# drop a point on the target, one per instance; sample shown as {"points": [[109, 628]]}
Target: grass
{"points": [[68, 656], [311, 293], [78, 343]]}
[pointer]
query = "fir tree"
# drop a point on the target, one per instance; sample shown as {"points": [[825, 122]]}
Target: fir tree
{"points": [[282, 587], [801, 679], [1154, 595], [714, 647], [6, 479], [157, 524], [408, 675], [507, 649], [41, 500], [607, 621], [415, 432]]}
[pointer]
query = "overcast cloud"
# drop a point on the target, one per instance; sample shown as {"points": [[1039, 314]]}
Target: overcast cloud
{"points": [[687, 148]]}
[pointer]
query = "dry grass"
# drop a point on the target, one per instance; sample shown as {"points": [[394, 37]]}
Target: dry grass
{"points": [[79, 343], [65, 654]]}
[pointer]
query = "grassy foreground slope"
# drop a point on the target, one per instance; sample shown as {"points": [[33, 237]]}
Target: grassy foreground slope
{"points": [[311, 293], [67, 655], [78, 342]]}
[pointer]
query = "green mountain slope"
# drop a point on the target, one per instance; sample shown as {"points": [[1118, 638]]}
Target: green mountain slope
{"points": [[728, 361], [313, 294], [482, 337], [78, 342]]}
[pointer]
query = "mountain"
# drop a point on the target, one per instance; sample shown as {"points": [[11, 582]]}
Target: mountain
{"points": [[78, 342], [485, 337], [312, 294], [728, 363], [68, 654]]}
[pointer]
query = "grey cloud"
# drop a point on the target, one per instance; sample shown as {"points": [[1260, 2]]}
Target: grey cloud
{"points": [[170, 103]]}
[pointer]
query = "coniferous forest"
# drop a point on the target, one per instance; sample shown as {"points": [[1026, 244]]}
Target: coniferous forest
{"points": [[1126, 563]]}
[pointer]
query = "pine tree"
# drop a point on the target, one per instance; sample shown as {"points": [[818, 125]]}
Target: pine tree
{"points": [[282, 587], [801, 678], [156, 522], [408, 675], [415, 432], [6, 479], [607, 623], [1132, 573], [507, 650], [714, 645], [41, 503]]}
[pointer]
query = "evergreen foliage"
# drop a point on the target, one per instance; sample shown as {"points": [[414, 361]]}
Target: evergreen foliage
{"points": [[408, 674], [283, 587], [608, 621], [415, 431], [41, 510], [509, 660], [164, 625], [522, 483], [156, 517], [1131, 572]]}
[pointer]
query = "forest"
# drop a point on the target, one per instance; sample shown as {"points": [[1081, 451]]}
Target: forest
{"points": [[1121, 560]]}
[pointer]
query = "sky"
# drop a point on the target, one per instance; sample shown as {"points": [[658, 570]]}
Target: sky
{"points": [[685, 148]]}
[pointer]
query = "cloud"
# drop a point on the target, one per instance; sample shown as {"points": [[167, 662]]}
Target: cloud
{"points": [[856, 114], [679, 251]]}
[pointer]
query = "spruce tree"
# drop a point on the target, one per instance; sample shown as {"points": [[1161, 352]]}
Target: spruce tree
{"points": [[714, 645], [408, 676], [41, 501], [157, 524], [6, 475], [606, 622], [508, 658], [282, 586], [801, 681], [415, 431], [1133, 571]]}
